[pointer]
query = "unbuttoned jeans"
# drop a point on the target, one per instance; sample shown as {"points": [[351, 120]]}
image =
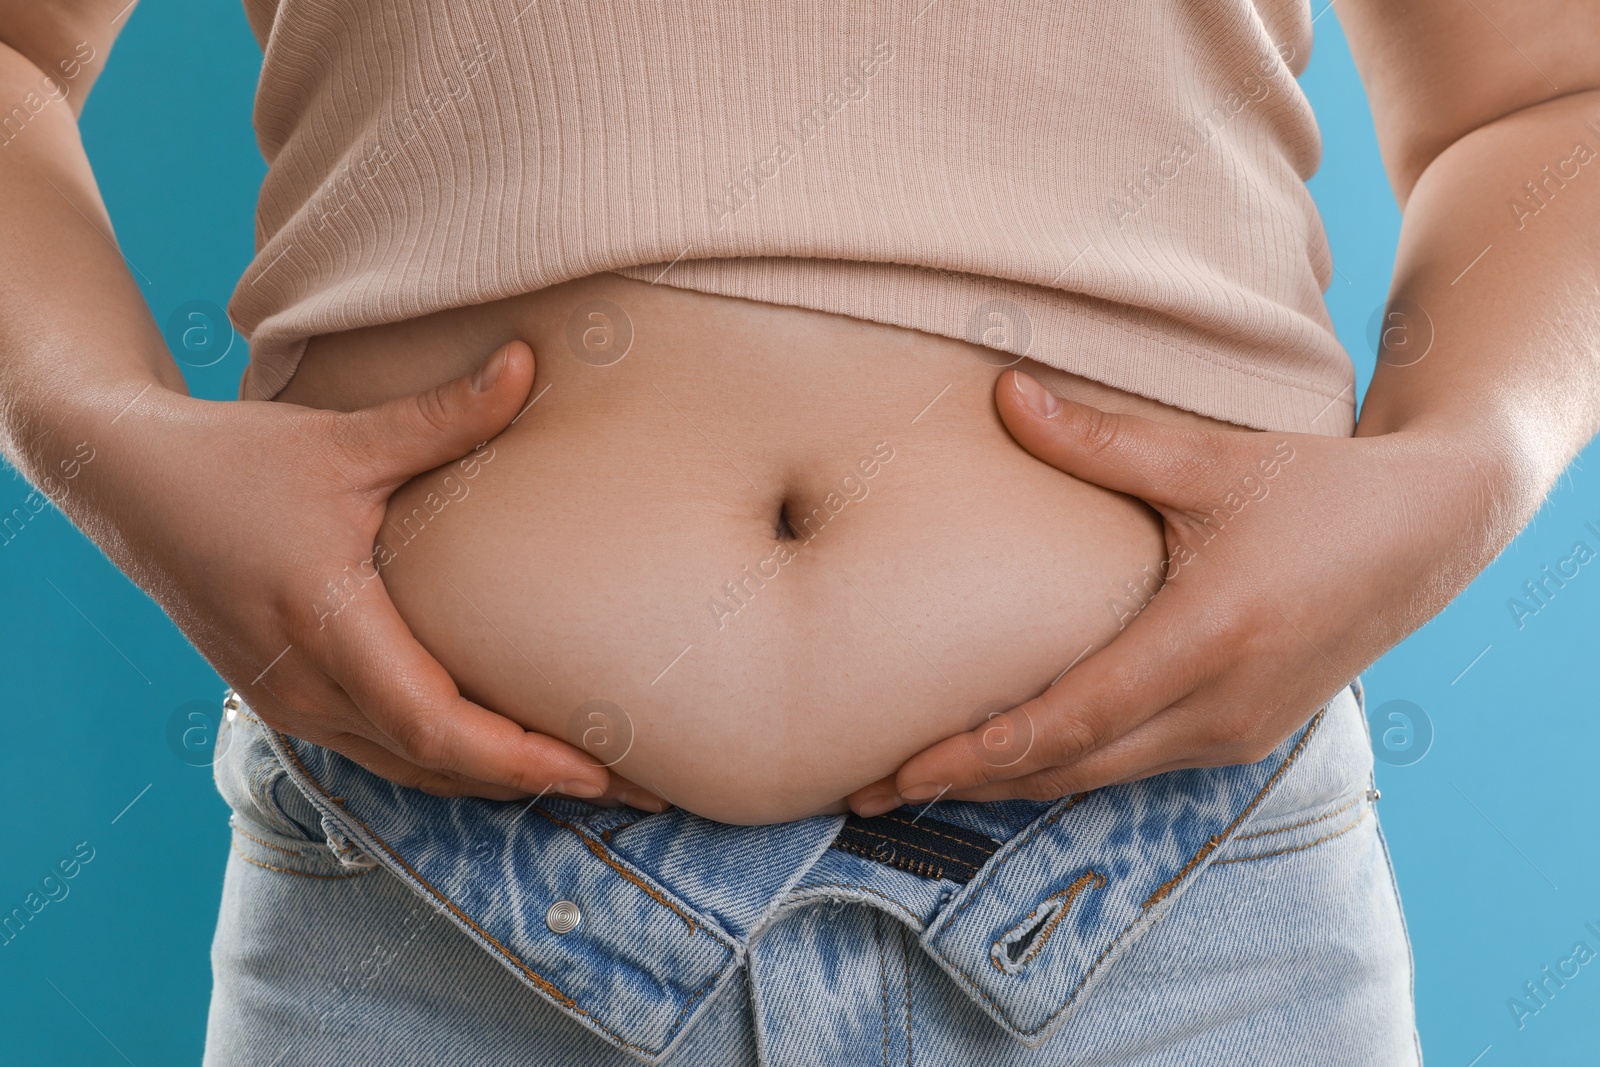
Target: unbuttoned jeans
{"points": [[1238, 915]]}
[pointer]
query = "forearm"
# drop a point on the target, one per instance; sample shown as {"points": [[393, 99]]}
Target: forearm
{"points": [[77, 343], [1506, 302]]}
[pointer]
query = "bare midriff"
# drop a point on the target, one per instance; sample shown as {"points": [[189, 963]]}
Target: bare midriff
{"points": [[753, 556]]}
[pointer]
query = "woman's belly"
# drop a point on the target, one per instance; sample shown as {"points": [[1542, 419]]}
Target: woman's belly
{"points": [[756, 562]]}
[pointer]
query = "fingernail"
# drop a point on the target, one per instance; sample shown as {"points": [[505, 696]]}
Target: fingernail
{"points": [[489, 373], [1035, 397], [877, 805], [921, 791], [643, 801], [586, 790]]}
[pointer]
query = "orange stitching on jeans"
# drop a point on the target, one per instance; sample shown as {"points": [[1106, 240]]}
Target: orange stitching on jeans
{"points": [[539, 980], [971, 896], [1070, 998], [302, 874], [883, 979], [929, 830], [1301, 848], [905, 956], [1296, 826], [600, 851], [1084, 881], [687, 1004], [609, 832], [957, 968], [269, 844], [1216, 839], [914, 848]]}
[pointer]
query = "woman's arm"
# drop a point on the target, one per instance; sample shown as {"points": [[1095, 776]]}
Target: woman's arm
{"points": [[1284, 585], [1490, 132], [234, 517]]}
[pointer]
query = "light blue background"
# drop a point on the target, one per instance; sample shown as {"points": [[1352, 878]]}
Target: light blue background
{"points": [[1493, 830]]}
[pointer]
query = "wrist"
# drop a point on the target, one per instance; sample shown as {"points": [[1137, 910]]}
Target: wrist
{"points": [[84, 439], [1479, 485], [1513, 447]]}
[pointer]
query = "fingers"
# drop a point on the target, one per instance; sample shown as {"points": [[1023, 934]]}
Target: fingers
{"points": [[1159, 463], [412, 700], [1190, 734], [1127, 759], [622, 791], [380, 761], [366, 745], [1146, 669], [322, 713], [875, 799], [405, 436]]}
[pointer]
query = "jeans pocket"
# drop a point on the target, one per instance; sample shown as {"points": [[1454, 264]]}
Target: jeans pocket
{"points": [[274, 825], [1324, 794]]}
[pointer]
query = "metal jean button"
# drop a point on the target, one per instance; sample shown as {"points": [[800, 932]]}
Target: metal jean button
{"points": [[563, 917]]}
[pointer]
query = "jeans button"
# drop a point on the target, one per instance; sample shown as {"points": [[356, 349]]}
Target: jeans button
{"points": [[563, 917]]}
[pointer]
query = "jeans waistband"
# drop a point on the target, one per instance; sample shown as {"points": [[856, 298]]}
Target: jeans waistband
{"points": [[630, 924]]}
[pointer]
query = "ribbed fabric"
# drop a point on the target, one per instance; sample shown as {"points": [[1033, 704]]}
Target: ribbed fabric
{"points": [[1121, 187]]}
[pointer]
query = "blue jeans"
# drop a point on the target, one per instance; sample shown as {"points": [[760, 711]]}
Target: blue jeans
{"points": [[1243, 915]]}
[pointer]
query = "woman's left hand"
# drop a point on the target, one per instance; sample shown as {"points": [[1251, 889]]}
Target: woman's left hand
{"points": [[1294, 561]]}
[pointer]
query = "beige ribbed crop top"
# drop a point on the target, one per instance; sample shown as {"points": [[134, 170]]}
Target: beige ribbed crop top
{"points": [[1116, 189]]}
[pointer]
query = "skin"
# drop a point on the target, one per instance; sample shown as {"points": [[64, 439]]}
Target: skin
{"points": [[582, 560], [1359, 542], [173, 485]]}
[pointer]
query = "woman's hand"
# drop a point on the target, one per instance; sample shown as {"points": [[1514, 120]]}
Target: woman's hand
{"points": [[1293, 562], [253, 524]]}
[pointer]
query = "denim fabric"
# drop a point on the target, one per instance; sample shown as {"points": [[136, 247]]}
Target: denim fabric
{"points": [[1244, 914]]}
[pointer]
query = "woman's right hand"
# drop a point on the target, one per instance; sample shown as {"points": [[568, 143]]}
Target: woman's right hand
{"points": [[246, 522], [234, 517]]}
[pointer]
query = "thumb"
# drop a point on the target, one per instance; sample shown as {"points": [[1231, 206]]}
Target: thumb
{"points": [[1163, 465], [403, 437]]}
